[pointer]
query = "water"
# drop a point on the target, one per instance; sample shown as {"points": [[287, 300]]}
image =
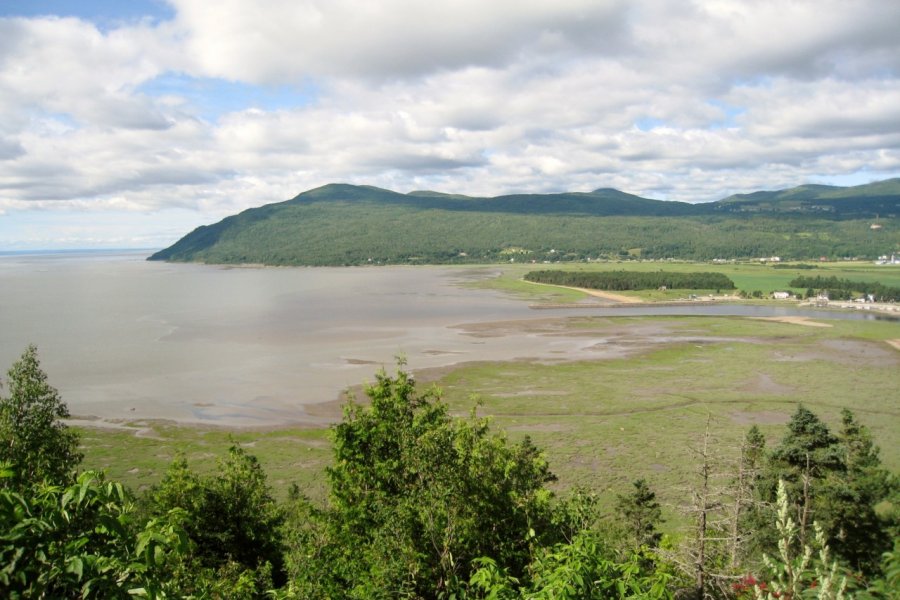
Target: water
{"points": [[122, 338]]}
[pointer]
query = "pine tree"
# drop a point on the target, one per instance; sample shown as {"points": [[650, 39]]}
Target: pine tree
{"points": [[642, 513], [836, 480]]}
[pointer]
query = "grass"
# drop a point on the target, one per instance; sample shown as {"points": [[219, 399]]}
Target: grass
{"points": [[296, 456], [604, 423], [746, 276]]}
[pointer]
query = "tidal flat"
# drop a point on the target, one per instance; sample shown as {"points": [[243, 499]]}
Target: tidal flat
{"points": [[637, 408], [156, 359]]}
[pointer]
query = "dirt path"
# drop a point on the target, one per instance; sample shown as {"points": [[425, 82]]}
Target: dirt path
{"points": [[609, 295], [596, 293]]}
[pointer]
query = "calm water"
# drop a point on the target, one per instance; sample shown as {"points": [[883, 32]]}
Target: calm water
{"points": [[124, 338]]}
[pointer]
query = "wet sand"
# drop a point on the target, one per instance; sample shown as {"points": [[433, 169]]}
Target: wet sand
{"points": [[794, 320], [429, 355], [611, 296], [128, 342]]}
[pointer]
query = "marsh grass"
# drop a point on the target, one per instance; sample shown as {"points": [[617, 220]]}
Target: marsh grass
{"points": [[140, 460], [604, 423]]}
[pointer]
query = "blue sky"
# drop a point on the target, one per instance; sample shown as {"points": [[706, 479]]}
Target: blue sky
{"points": [[209, 98], [103, 13], [126, 124]]}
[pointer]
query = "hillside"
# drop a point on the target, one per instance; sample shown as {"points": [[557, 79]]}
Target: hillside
{"points": [[863, 201], [340, 224]]}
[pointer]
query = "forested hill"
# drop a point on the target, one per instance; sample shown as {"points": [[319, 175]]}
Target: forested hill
{"points": [[864, 201], [341, 224]]}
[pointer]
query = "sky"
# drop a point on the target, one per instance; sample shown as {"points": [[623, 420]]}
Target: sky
{"points": [[128, 123]]}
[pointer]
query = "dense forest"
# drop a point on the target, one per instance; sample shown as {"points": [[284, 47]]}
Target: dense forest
{"points": [[423, 504], [351, 225], [633, 280]]}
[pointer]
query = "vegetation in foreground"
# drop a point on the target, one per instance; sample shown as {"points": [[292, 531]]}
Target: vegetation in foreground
{"points": [[422, 504]]}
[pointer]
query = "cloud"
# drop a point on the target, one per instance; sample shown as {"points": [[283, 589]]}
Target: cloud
{"points": [[213, 111], [10, 148], [274, 40]]}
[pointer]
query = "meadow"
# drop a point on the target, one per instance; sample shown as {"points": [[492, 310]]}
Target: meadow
{"points": [[747, 276]]}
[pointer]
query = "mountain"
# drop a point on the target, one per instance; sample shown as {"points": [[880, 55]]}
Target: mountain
{"points": [[341, 224], [862, 201]]}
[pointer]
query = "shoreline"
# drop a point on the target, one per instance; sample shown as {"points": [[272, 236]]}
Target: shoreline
{"points": [[559, 343]]}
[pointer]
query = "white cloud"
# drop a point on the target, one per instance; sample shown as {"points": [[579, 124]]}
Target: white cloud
{"points": [[666, 98], [273, 40]]}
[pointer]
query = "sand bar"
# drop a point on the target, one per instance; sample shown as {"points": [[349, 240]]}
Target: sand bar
{"points": [[795, 320]]}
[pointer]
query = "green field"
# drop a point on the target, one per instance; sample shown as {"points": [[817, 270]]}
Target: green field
{"points": [[747, 277], [139, 457], [604, 423]]}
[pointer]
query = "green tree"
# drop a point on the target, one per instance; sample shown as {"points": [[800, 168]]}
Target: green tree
{"points": [[805, 456], [753, 450], [836, 480], [859, 534], [642, 512], [800, 568], [417, 495], [232, 521], [33, 440], [82, 541], [808, 447], [584, 568]]}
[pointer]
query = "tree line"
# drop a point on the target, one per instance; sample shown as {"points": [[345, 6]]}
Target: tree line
{"points": [[423, 504], [633, 280], [844, 289]]}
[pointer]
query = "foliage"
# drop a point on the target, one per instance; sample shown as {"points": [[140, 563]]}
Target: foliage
{"points": [[796, 569], [344, 225], [859, 532], [33, 441], [633, 280], [888, 584], [580, 569], [642, 513], [78, 542], [425, 505], [808, 446], [794, 266], [839, 289], [837, 481], [231, 519], [416, 495]]}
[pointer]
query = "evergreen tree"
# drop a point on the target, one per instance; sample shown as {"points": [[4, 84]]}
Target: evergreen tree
{"points": [[753, 450], [33, 441], [642, 513], [838, 482], [808, 447], [850, 497]]}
